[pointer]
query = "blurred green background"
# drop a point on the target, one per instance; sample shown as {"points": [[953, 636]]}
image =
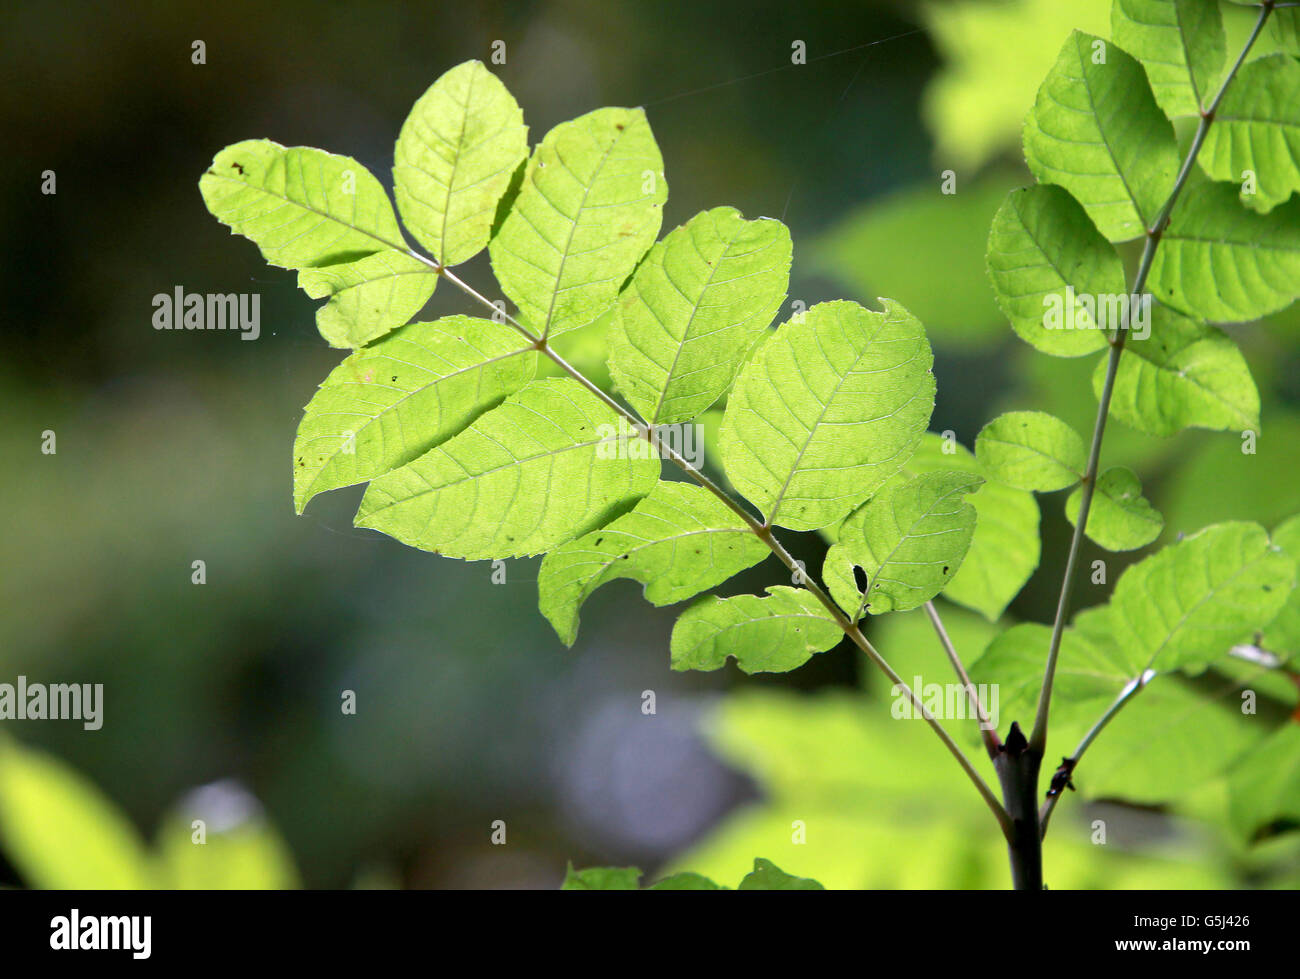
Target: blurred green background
{"points": [[223, 699]]}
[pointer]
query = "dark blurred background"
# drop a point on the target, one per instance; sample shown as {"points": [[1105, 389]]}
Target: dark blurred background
{"points": [[175, 446]]}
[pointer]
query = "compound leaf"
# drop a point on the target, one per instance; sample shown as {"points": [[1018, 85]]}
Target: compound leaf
{"points": [[1031, 450], [829, 408], [455, 157], [1096, 130], [909, 539], [1257, 129], [590, 205], [387, 404], [765, 634], [549, 464], [678, 541], [1225, 263], [1044, 254], [694, 308], [1120, 518], [1180, 43], [1182, 374]]}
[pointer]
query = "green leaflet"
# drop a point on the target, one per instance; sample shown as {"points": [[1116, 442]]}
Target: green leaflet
{"points": [[454, 159], [1222, 262], [694, 308], [1044, 255], [678, 541], [1120, 518], [368, 297], [1096, 130], [1086, 672], [909, 539], [590, 205], [548, 465], [1184, 374], [1004, 550], [829, 408], [391, 402], [327, 216], [1264, 787], [1257, 129], [1282, 636], [1031, 450], [1191, 602], [1181, 45], [766, 876], [769, 634]]}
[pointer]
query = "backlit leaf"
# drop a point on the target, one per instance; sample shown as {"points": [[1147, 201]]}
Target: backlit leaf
{"points": [[1096, 130], [550, 464], [829, 408], [694, 308], [678, 541], [589, 207], [774, 633]]}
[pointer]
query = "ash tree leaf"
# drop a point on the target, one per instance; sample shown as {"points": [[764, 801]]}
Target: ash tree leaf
{"points": [[1190, 603], [1044, 255], [549, 464], [327, 216], [1004, 549], [767, 876], [368, 297], [1220, 261], [1257, 128], [1120, 518], [1096, 130], [830, 407], [1264, 786], [678, 541], [909, 539], [384, 406], [1183, 374], [1282, 637], [694, 309], [590, 205], [455, 157], [601, 879], [1180, 43], [774, 633], [1031, 450]]}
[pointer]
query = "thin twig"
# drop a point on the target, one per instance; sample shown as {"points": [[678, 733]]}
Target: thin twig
{"points": [[1038, 738], [990, 736]]}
